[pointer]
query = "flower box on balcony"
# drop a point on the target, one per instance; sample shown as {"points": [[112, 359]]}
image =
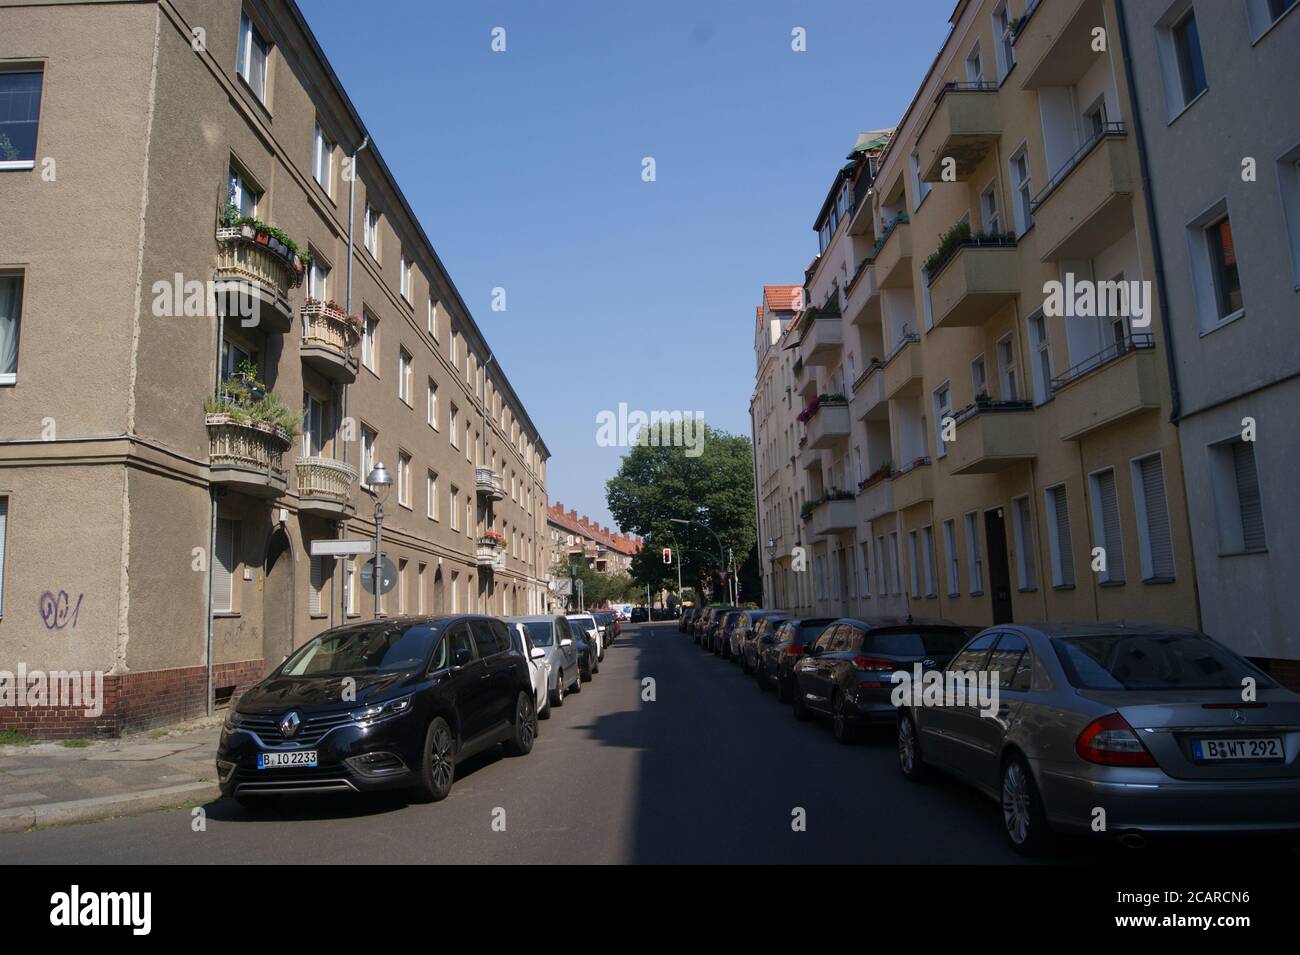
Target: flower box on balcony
{"points": [[245, 454]]}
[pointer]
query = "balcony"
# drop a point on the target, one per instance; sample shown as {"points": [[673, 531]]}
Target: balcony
{"points": [[1054, 45], [324, 486], [328, 338], [1108, 387], [805, 379], [869, 398], [914, 484], [253, 281], [246, 457], [964, 124], [822, 336], [488, 484], [992, 436], [1088, 204], [809, 457], [832, 517], [975, 282], [490, 553], [876, 495], [862, 295], [829, 427], [903, 369], [894, 255]]}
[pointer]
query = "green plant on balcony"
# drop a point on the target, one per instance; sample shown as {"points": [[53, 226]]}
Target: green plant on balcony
{"points": [[493, 539], [949, 242], [263, 234], [899, 219], [806, 511], [885, 470], [835, 398], [245, 400]]}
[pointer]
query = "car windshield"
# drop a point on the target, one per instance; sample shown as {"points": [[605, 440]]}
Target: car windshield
{"points": [[378, 648], [1174, 661], [541, 633]]}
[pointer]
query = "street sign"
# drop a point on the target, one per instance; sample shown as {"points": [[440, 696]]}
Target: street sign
{"points": [[387, 576], [341, 548]]}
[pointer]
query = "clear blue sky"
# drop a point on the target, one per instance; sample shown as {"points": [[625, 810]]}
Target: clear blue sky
{"points": [[525, 170]]}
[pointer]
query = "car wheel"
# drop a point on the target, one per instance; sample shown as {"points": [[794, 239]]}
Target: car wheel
{"points": [[783, 693], [800, 710], [1022, 810], [909, 748], [557, 694], [841, 728], [438, 768], [525, 727], [595, 666]]}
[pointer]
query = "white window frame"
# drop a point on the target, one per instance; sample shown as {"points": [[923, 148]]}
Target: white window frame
{"points": [[1003, 48], [1022, 189], [248, 33], [370, 341], [942, 409], [371, 229], [404, 276], [1058, 549], [1008, 375], [322, 160], [405, 371], [431, 495], [11, 377], [1098, 522], [431, 405], [951, 559], [1142, 515], [1022, 527], [403, 479]]}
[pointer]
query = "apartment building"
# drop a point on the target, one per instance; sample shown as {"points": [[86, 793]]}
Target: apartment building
{"points": [[572, 535], [1216, 89], [979, 455], [180, 181]]}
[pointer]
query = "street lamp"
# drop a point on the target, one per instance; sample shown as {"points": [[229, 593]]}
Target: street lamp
{"points": [[381, 482], [722, 561]]}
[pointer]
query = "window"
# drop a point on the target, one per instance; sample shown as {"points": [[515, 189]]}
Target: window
{"points": [[979, 377], [318, 278], [431, 495], [1026, 570], [370, 343], [1237, 501], [950, 557], [242, 194], [20, 110], [367, 457], [351, 585], [1264, 13], [1042, 348], [914, 563], [316, 585], [1105, 525], [453, 349], [401, 585], [1155, 540], [419, 587], [4, 526], [942, 410], [989, 209], [1007, 369], [1058, 537], [404, 276], [974, 68], [453, 509], [316, 425], [322, 160], [1006, 52], [403, 479], [920, 188], [223, 566], [1223, 268], [11, 310], [927, 540], [432, 409], [1187, 46], [433, 318], [455, 592], [251, 61], [404, 375], [865, 568], [1024, 190], [371, 224], [1094, 118]]}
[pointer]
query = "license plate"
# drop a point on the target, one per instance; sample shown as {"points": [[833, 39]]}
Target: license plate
{"points": [[305, 757], [1206, 750]]}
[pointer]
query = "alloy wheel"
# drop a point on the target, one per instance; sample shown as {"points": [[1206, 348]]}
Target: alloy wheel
{"points": [[1015, 802], [906, 746], [524, 715], [441, 767]]}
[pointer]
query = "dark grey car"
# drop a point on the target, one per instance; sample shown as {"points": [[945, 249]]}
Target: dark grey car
{"points": [[1163, 730]]}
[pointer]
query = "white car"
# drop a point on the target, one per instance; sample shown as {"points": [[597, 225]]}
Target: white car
{"points": [[587, 624], [539, 669]]}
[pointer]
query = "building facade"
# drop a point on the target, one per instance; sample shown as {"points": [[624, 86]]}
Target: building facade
{"points": [[158, 499], [571, 535], [973, 452], [1227, 216]]}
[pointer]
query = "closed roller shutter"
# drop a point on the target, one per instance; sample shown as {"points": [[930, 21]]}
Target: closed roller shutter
{"points": [[1111, 539], [1252, 512], [1159, 539], [1064, 546]]}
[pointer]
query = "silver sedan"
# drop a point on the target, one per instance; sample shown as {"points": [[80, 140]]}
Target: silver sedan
{"points": [[1125, 731]]}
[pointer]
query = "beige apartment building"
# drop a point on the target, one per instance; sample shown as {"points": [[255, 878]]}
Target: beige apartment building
{"points": [[178, 187], [572, 536], [968, 452]]}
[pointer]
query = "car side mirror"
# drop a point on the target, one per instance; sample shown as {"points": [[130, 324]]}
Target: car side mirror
{"points": [[538, 653], [566, 642]]}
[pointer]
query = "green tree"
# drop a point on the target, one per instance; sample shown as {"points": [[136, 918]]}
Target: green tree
{"points": [[657, 482]]}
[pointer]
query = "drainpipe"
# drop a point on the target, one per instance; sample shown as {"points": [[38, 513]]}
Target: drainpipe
{"points": [[212, 516], [1175, 396], [343, 525]]}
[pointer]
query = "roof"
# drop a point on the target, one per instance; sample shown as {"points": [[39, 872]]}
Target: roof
{"points": [[583, 526], [782, 298]]}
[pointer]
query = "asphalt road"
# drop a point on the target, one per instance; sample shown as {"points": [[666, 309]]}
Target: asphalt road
{"points": [[712, 770]]}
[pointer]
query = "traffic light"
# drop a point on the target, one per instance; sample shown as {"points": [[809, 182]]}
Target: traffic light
{"points": [[668, 555]]}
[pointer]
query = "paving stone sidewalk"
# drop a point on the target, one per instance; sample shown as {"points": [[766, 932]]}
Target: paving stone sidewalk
{"points": [[49, 783]]}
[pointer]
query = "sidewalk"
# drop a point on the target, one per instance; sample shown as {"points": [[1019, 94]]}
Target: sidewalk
{"points": [[49, 783]]}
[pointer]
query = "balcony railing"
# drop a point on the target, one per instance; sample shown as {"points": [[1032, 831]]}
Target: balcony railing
{"points": [[242, 259], [328, 339], [1129, 343], [488, 483], [900, 219], [250, 456], [1080, 154], [490, 554], [963, 124], [324, 485]]}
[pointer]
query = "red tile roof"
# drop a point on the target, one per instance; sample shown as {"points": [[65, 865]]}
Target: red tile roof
{"points": [[782, 298], [584, 527]]}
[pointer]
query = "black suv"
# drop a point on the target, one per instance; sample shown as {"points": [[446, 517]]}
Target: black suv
{"points": [[380, 705], [846, 673]]}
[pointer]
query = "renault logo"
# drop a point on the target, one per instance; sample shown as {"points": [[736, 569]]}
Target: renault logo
{"points": [[289, 724]]}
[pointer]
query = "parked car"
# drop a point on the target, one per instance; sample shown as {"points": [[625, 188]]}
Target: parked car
{"points": [[1146, 722], [639, 615], [429, 693], [550, 633], [777, 659], [711, 625], [700, 621], [592, 632], [608, 622], [684, 622], [845, 675], [742, 630], [538, 670], [719, 632], [763, 634]]}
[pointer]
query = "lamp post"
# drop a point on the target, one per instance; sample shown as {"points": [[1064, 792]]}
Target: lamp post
{"points": [[722, 561], [770, 599], [381, 482]]}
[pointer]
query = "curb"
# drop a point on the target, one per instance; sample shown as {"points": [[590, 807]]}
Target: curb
{"points": [[21, 818]]}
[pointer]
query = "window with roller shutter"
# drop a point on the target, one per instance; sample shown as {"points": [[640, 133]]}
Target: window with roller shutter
{"points": [[1105, 525], [1154, 534], [318, 577], [1058, 531], [1026, 571], [1248, 500], [223, 567], [4, 527]]}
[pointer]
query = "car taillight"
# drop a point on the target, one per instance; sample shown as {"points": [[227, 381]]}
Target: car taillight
{"points": [[793, 651], [1110, 741], [873, 664]]}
